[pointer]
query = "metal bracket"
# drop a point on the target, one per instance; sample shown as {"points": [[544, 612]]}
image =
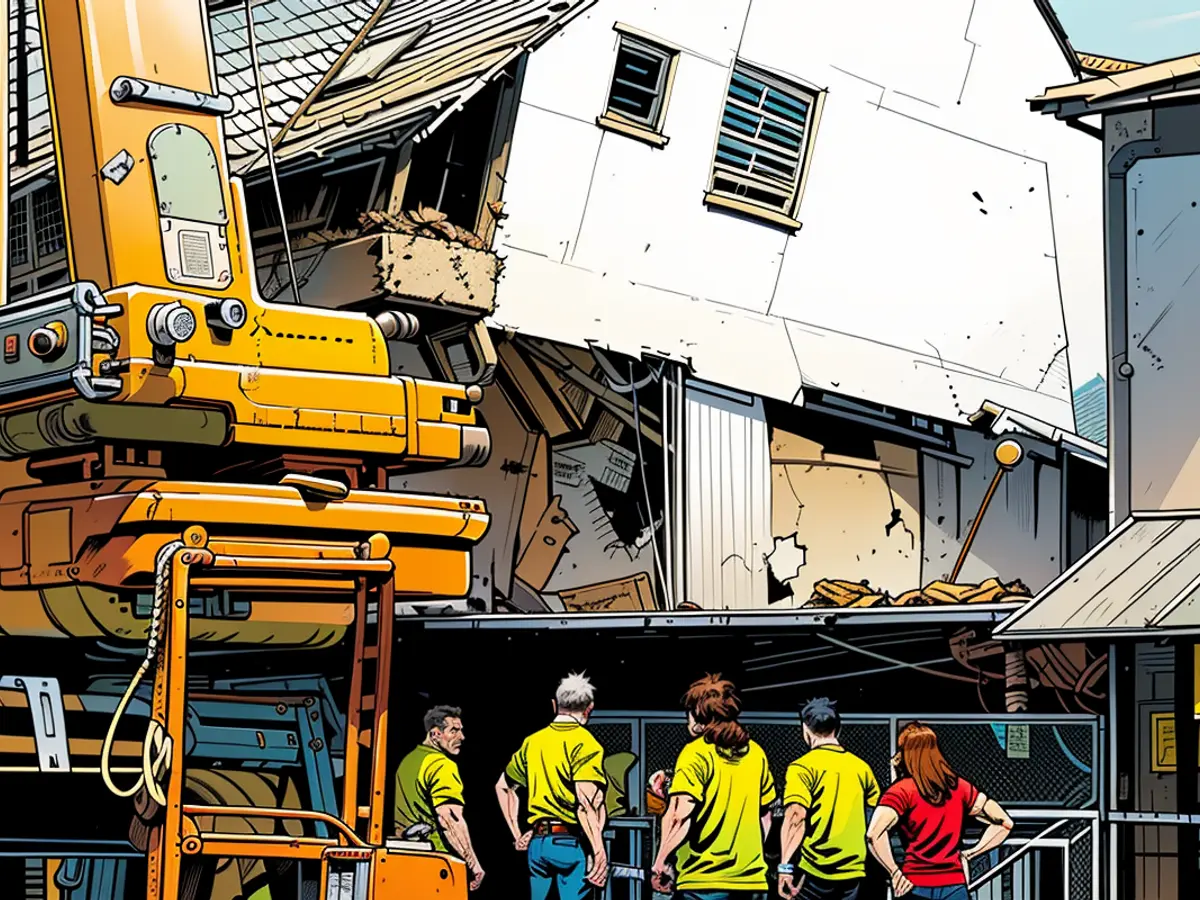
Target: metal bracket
{"points": [[117, 168], [136, 90], [49, 723], [1124, 159]]}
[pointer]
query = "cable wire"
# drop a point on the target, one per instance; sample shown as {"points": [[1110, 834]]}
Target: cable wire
{"points": [[899, 664], [270, 151], [156, 746]]}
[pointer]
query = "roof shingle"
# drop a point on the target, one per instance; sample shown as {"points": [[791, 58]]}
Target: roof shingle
{"points": [[298, 41]]}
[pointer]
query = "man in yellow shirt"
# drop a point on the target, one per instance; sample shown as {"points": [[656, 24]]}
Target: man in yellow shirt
{"points": [[561, 770], [429, 790], [720, 809], [826, 795]]}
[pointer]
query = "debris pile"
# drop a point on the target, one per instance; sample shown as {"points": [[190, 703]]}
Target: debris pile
{"points": [[849, 594], [423, 222]]}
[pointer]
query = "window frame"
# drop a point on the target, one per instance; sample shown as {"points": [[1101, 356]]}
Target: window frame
{"points": [[40, 270], [779, 215], [649, 131]]}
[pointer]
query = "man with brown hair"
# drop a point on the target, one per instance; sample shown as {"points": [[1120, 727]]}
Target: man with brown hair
{"points": [[720, 809]]}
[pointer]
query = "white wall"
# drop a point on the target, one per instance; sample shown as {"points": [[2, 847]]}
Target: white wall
{"points": [[898, 288]]}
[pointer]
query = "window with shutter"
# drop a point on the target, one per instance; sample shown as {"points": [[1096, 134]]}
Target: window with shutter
{"points": [[762, 145], [640, 87]]}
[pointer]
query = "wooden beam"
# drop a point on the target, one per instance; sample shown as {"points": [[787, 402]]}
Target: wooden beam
{"points": [[337, 67], [536, 396], [487, 217], [614, 402]]}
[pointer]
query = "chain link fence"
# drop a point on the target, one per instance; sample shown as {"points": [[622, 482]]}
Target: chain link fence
{"points": [[1039, 765]]}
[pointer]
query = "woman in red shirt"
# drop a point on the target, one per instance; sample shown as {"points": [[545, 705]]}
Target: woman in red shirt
{"points": [[931, 804]]}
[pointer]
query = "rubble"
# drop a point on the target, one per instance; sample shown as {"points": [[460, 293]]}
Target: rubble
{"points": [[422, 222], [852, 594]]}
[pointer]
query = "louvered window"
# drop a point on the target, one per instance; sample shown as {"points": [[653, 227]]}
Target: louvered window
{"points": [[763, 138], [639, 85]]}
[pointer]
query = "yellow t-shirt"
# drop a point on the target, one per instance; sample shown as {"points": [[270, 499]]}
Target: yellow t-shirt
{"points": [[724, 849], [836, 787], [426, 779], [548, 765]]}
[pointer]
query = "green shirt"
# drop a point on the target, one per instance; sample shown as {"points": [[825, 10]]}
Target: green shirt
{"points": [[835, 787], [426, 779], [724, 849], [549, 764]]}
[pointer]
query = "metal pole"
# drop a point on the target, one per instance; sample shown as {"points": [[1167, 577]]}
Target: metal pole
{"points": [[1187, 751], [1007, 454]]}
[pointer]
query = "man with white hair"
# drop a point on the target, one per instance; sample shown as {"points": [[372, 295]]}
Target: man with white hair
{"points": [[561, 770]]}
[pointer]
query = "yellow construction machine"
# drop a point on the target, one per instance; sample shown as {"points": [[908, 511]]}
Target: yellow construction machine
{"points": [[187, 473]]}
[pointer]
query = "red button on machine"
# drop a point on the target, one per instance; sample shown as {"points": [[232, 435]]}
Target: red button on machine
{"points": [[12, 348]]}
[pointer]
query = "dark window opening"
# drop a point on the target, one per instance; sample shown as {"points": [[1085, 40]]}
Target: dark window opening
{"points": [[449, 169], [639, 81], [21, 83], [49, 231], [349, 194], [302, 204], [18, 232]]}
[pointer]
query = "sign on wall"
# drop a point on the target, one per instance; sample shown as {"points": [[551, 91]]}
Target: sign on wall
{"points": [[1162, 725]]}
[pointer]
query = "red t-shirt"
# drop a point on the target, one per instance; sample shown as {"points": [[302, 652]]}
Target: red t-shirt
{"points": [[932, 835]]}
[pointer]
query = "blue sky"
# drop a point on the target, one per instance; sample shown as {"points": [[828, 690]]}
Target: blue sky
{"points": [[1137, 30]]}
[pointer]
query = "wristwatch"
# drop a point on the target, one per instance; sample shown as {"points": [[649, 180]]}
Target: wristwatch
{"points": [[785, 868]]}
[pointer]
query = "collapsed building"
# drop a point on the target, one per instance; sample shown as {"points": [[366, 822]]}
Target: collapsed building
{"points": [[707, 421]]}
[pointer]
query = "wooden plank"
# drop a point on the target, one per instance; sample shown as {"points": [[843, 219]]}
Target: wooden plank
{"points": [[532, 392], [539, 558], [337, 66]]}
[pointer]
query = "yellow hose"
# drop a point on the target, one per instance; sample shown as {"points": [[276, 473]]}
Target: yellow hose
{"points": [[156, 746]]}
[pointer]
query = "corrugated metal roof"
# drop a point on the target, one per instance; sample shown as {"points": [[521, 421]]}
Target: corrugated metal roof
{"points": [[468, 42], [1091, 410], [1143, 578]]}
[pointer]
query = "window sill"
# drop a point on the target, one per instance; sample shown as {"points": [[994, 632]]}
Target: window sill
{"points": [[637, 132], [752, 211]]}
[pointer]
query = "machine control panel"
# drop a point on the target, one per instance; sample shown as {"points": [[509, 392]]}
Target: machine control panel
{"points": [[48, 343]]}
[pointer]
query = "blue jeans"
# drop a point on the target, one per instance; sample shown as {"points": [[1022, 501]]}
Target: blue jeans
{"points": [[950, 892], [558, 861]]}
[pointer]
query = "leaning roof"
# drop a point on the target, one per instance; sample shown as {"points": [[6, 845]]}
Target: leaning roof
{"points": [[397, 86], [450, 49], [1130, 84], [1090, 64]]}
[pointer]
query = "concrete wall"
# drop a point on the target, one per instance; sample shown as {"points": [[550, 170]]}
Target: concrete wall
{"points": [[844, 517], [939, 215], [1020, 536]]}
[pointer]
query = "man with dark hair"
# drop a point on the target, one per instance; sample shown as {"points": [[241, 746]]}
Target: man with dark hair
{"points": [[826, 795], [429, 790]]}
